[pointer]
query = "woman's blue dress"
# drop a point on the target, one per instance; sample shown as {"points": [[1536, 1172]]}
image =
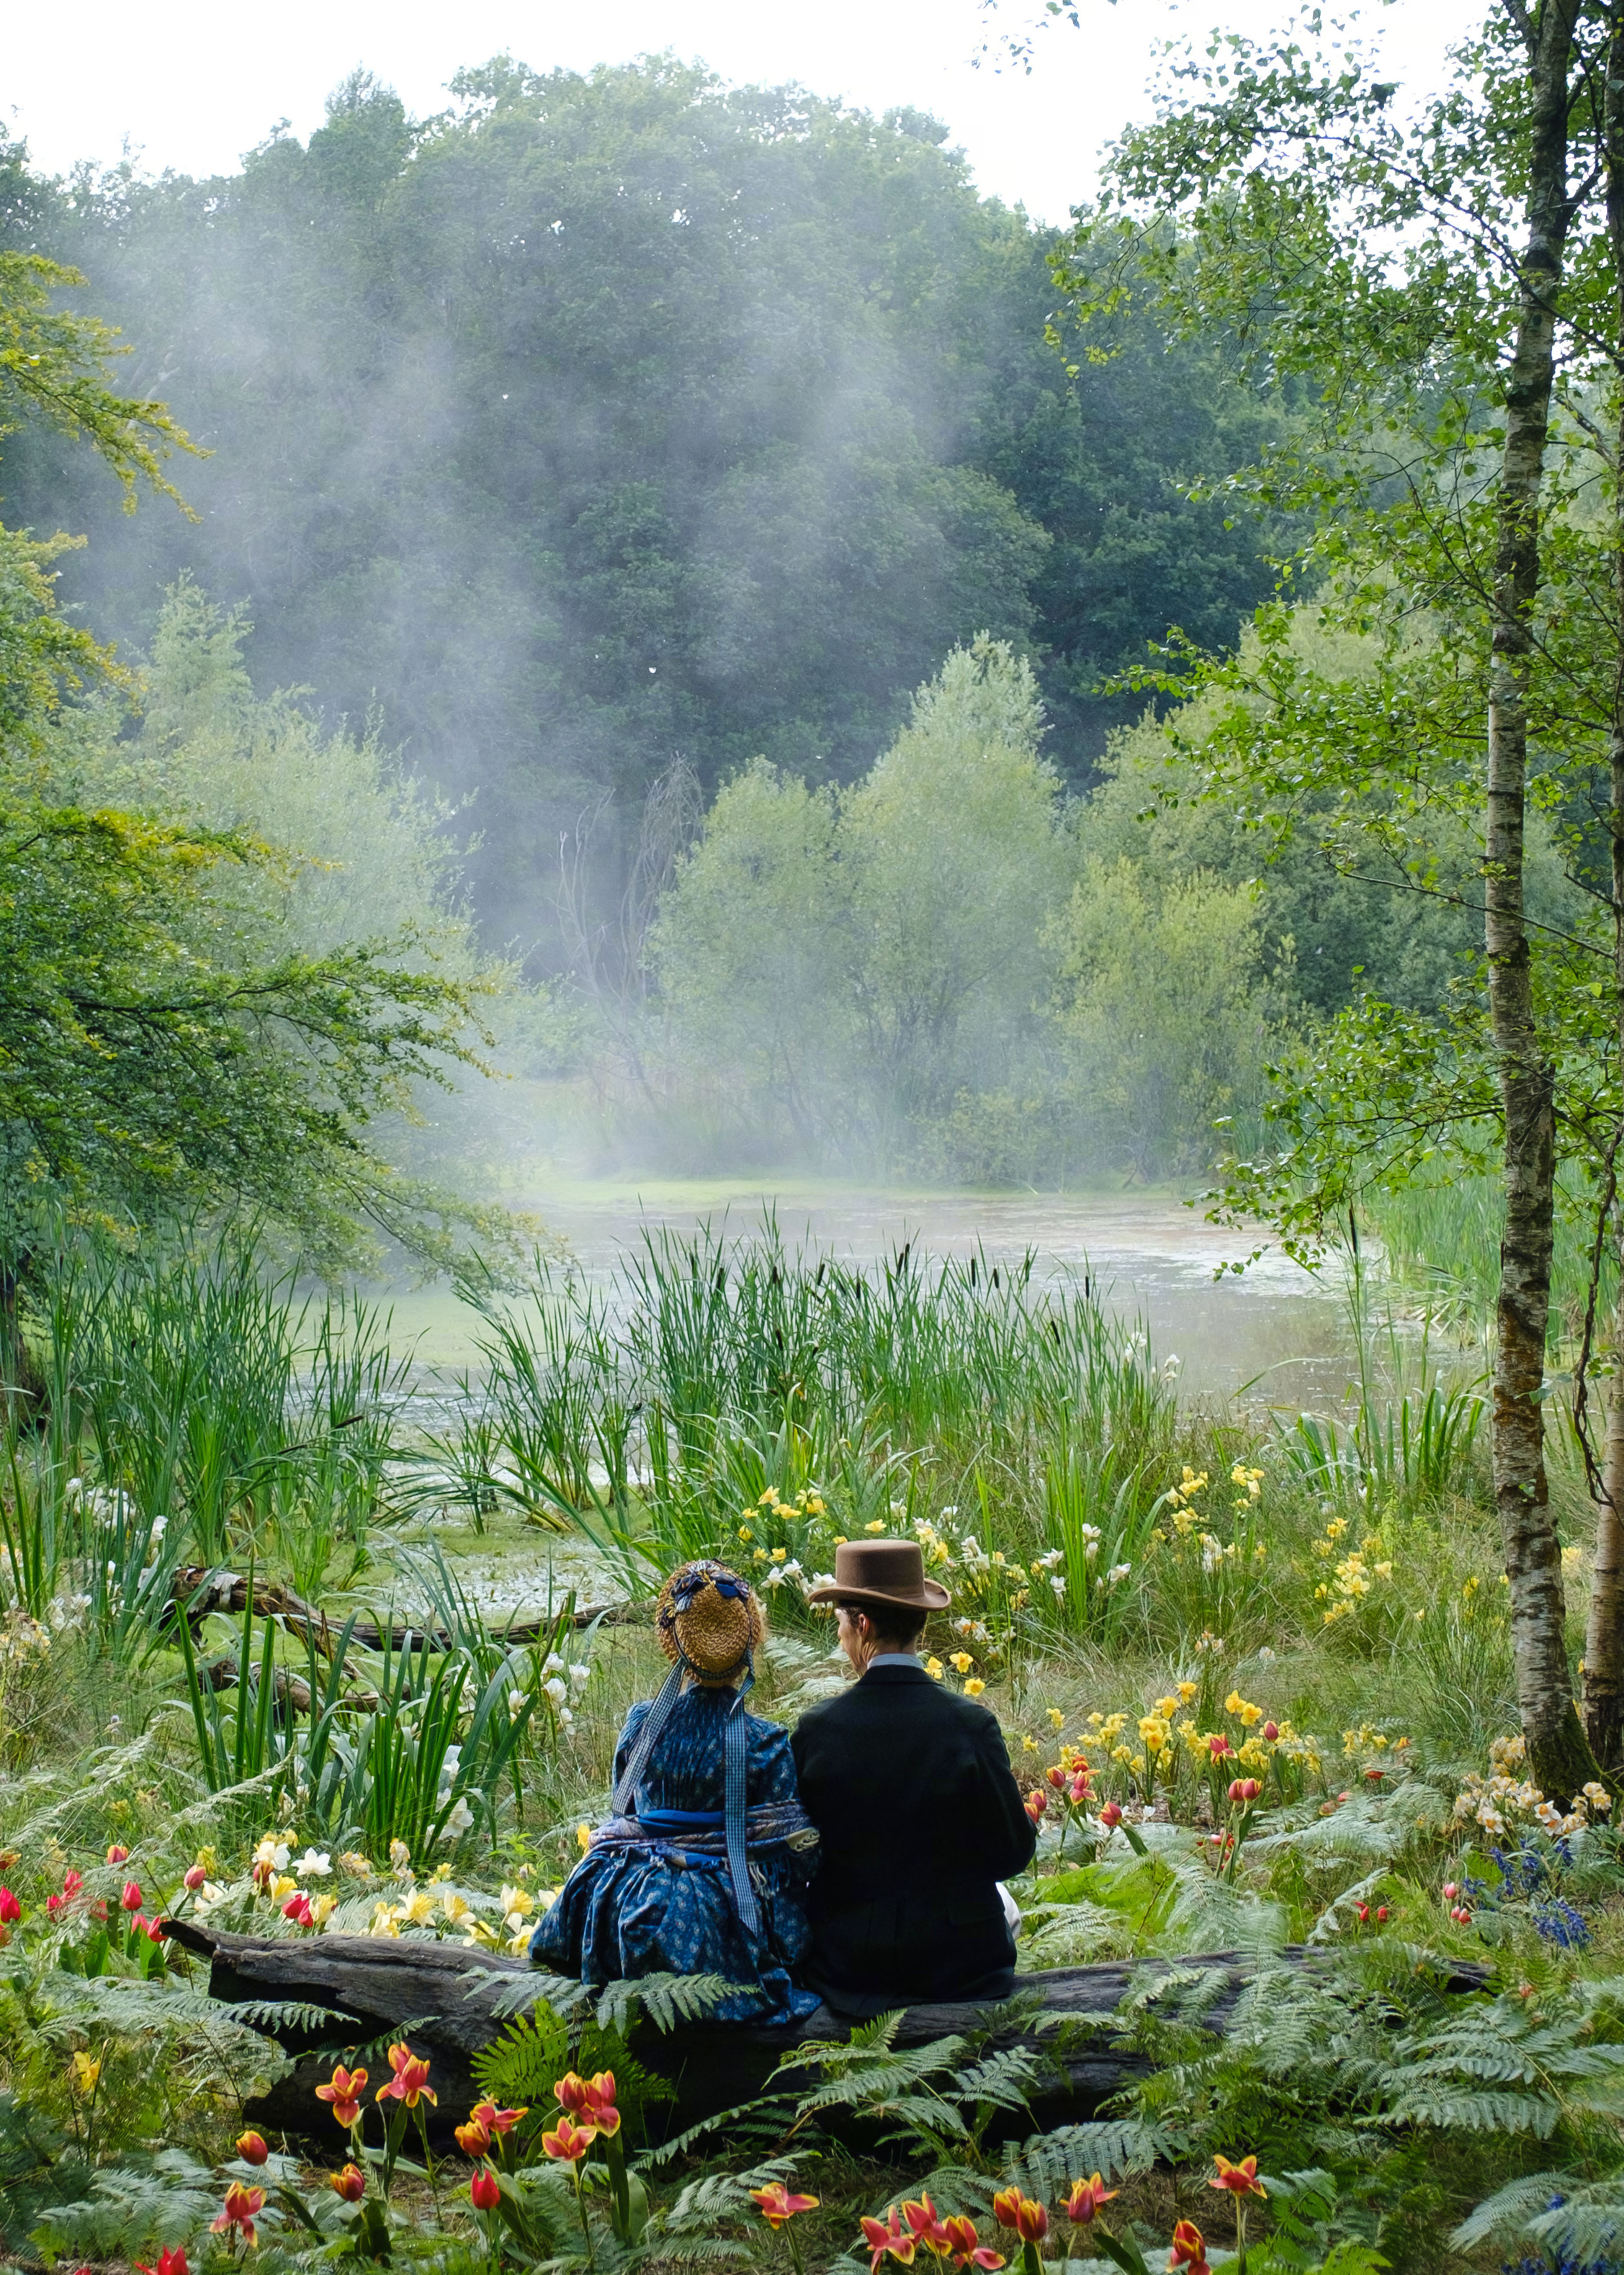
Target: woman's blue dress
{"points": [[660, 1909]]}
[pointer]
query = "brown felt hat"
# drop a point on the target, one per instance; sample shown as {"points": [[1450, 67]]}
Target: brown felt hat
{"points": [[882, 1575]]}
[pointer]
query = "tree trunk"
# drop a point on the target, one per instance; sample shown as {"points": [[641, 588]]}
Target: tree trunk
{"points": [[1560, 1759], [450, 2003], [1604, 1640]]}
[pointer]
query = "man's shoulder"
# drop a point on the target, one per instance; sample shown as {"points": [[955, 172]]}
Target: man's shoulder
{"points": [[916, 1700]]}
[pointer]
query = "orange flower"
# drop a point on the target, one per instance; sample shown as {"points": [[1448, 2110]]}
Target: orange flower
{"points": [[344, 2092], [778, 2205], [350, 2184], [238, 2210], [1036, 1802], [1241, 2180], [963, 2247], [926, 2226], [410, 2083], [473, 2138], [888, 2235], [251, 2147], [590, 2101], [569, 2141], [1085, 2199]]}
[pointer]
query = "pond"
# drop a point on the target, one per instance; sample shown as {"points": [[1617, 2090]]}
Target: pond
{"points": [[1275, 1333]]}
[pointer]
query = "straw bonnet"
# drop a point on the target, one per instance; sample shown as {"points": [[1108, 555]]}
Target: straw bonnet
{"points": [[709, 1621], [881, 1576]]}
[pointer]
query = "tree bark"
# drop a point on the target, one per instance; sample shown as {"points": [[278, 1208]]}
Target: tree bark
{"points": [[1604, 1640], [1560, 1758], [449, 2003]]}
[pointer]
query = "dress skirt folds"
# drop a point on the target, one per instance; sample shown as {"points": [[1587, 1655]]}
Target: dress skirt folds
{"points": [[653, 1894]]}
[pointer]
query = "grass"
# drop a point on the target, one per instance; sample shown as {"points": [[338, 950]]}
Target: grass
{"points": [[1313, 1602]]}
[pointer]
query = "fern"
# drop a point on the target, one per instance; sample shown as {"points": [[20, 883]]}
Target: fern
{"points": [[1576, 2220], [160, 2199], [274, 2015], [665, 1999], [1045, 2166], [523, 2065]]}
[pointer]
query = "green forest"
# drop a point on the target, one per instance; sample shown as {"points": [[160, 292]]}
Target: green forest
{"points": [[637, 629]]}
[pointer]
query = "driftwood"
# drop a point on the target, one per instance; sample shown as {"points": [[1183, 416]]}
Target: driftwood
{"points": [[444, 1999], [197, 1591]]}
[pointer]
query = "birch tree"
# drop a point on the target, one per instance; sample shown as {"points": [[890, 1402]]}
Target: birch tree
{"points": [[1411, 275]]}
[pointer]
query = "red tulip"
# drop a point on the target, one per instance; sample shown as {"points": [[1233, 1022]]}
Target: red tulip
{"points": [[1218, 1746], [1188, 2248], [1081, 1788], [494, 2120], [888, 2235], [1362, 1913], [485, 2189], [240, 2210], [410, 2083], [1036, 1802], [10, 1908], [132, 1899], [777, 2204], [1111, 1816], [1085, 2199], [1381, 1912], [1271, 1730], [1241, 2180], [473, 2138], [925, 2225], [170, 2263], [1451, 1889], [118, 1855], [1028, 2221], [1056, 1775], [569, 2142], [252, 2148], [298, 1909], [194, 1877], [344, 2092], [963, 2248], [350, 2184]]}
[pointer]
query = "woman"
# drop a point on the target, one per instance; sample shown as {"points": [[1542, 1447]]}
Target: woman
{"points": [[700, 1865]]}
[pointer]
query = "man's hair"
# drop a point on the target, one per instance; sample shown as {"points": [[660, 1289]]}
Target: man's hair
{"points": [[895, 1628]]}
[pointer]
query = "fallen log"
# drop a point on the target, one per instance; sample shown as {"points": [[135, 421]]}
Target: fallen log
{"points": [[197, 1592], [450, 2002]]}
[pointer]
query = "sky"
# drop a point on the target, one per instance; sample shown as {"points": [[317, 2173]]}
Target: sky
{"points": [[194, 85]]}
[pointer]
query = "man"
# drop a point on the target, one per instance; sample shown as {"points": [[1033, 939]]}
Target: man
{"points": [[917, 1810]]}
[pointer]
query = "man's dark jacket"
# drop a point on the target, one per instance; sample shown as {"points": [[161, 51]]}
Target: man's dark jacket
{"points": [[911, 1788]]}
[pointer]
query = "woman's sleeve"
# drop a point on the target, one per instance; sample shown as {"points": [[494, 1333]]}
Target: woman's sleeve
{"points": [[772, 1765], [623, 1743]]}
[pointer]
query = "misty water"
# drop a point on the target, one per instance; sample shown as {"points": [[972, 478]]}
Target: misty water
{"points": [[1273, 1335], [1274, 1332]]}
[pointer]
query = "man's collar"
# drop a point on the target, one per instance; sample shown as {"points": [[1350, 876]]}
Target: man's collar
{"points": [[897, 1658]]}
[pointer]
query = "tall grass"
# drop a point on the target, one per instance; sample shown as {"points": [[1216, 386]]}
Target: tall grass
{"points": [[194, 1408], [655, 1412], [1440, 1237]]}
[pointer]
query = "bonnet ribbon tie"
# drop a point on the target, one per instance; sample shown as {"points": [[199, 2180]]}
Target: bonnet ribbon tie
{"points": [[735, 1765]]}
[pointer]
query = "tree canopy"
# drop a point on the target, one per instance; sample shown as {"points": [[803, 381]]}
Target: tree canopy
{"points": [[605, 419]]}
